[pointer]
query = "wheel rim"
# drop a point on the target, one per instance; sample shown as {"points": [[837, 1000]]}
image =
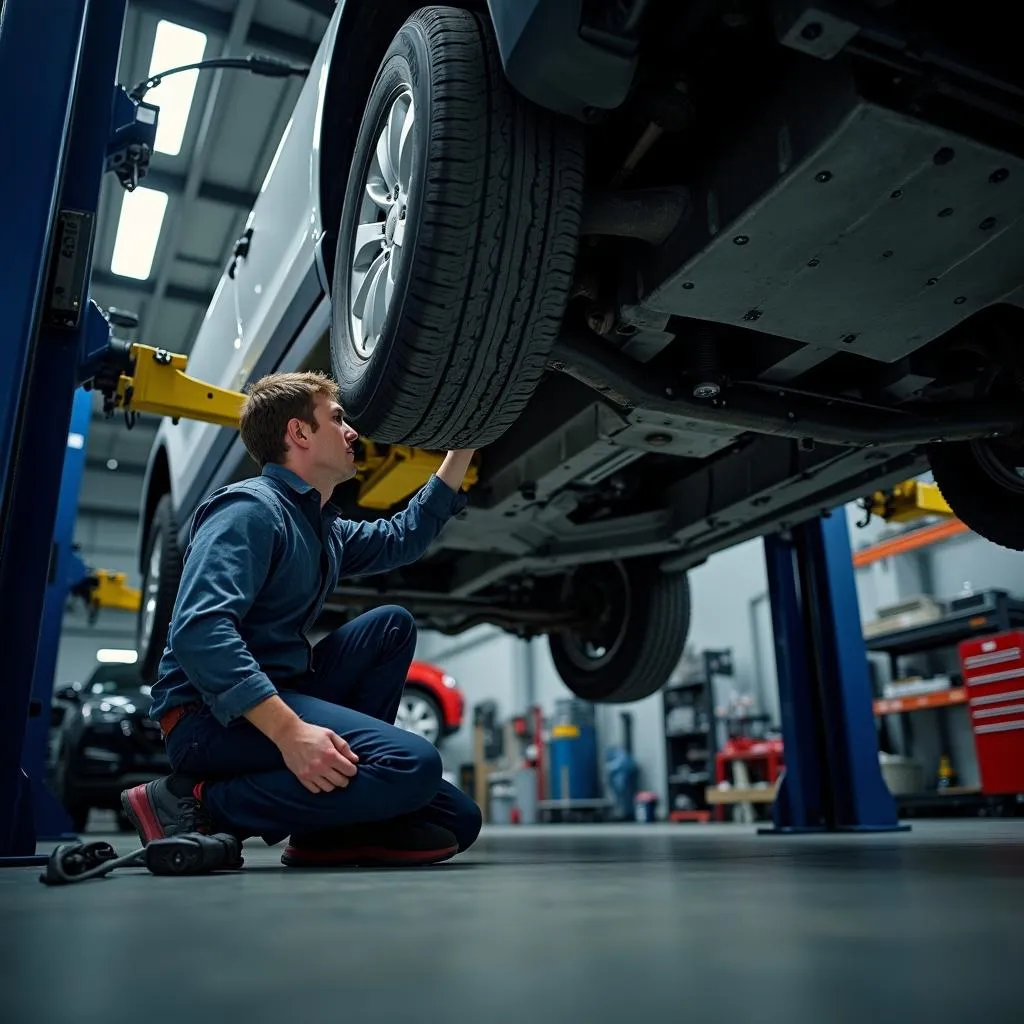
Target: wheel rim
{"points": [[151, 588], [415, 714], [603, 592], [378, 247], [1003, 463]]}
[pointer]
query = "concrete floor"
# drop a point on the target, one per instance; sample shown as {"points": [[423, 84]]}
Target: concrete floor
{"points": [[558, 923]]}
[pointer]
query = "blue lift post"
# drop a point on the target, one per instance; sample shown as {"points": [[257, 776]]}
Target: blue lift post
{"points": [[52, 821], [61, 123], [832, 780]]}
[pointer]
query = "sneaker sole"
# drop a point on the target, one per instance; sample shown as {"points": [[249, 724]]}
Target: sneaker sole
{"points": [[364, 856], [139, 811]]}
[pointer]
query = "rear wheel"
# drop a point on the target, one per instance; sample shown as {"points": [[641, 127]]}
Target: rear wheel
{"points": [[638, 620], [419, 713], [161, 576], [983, 483], [457, 241]]}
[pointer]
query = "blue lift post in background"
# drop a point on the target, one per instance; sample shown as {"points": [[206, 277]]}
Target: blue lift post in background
{"points": [[52, 821], [60, 125], [832, 779]]}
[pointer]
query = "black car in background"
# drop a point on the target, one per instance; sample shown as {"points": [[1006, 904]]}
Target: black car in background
{"points": [[101, 741]]}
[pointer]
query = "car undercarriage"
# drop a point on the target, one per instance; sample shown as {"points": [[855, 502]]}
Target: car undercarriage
{"points": [[800, 272], [779, 265]]}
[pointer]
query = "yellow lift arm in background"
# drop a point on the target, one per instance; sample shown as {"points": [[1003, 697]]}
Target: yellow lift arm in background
{"points": [[159, 384], [101, 588], [907, 502]]}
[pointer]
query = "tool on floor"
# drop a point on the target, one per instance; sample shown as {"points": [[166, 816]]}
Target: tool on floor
{"points": [[190, 853]]}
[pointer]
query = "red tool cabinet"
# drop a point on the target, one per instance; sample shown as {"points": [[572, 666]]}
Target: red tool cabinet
{"points": [[993, 674]]}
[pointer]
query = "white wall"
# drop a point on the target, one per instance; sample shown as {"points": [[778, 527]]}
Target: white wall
{"points": [[968, 559]]}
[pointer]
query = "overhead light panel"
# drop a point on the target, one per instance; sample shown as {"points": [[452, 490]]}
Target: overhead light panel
{"points": [[116, 656], [138, 231], [173, 47]]}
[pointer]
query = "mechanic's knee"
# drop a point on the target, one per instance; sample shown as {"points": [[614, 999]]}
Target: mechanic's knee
{"points": [[399, 626], [424, 771]]}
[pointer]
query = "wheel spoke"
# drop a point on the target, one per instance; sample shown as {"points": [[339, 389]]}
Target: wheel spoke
{"points": [[395, 128], [389, 287], [405, 148], [376, 305], [368, 244], [384, 156], [399, 236], [380, 192], [362, 282]]}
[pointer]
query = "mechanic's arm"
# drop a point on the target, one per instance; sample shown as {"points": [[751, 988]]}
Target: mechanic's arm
{"points": [[226, 563], [389, 543]]}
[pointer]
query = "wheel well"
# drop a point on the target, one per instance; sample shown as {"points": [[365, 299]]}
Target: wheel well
{"points": [[416, 686], [365, 33], [420, 687], [159, 485]]}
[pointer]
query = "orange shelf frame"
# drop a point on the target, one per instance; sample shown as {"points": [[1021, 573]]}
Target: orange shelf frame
{"points": [[918, 702], [911, 541]]}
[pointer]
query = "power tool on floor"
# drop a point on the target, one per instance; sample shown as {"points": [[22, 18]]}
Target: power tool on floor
{"points": [[190, 853]]}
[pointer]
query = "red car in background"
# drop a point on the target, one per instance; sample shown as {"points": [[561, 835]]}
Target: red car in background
{"points": [[432, 704]]}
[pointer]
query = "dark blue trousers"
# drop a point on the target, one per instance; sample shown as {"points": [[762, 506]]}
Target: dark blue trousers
{"points": [[358, 675]]}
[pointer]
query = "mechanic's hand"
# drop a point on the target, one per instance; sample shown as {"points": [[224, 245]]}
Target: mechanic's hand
{"points": [[319, 758]]}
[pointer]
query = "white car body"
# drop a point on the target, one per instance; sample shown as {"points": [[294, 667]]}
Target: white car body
{"points": [[239, 327]]}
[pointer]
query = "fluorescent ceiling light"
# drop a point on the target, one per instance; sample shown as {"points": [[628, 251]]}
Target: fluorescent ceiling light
{"points": [[174, 46], [114, 656], [138, 231]]}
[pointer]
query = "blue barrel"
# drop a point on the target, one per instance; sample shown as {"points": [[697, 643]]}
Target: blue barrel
{"points": [[572, 762]]}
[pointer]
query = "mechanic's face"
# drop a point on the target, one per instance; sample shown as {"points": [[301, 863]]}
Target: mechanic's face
{"points": [[332, 444]]}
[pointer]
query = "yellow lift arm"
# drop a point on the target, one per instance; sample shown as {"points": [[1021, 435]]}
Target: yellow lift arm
{"points": [[101, 588], [908, 501], [112, 591], [159, 384]]}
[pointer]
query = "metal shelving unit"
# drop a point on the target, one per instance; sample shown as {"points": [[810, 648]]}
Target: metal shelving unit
{"points": [[990, 611], [690, 738]]}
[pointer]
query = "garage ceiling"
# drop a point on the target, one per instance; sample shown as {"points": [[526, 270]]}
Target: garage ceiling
{"points": [[234, 125], [212, 183]]}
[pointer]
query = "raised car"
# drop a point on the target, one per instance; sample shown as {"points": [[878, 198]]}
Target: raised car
{"points": [[686, 272]]}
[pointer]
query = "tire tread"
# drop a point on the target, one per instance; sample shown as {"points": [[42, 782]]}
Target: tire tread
{"points": [[493, 265]]}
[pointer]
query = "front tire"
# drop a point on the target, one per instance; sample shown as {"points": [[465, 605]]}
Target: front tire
{"points": [[457, 241], [983, 483], [639, 620], [160, 580]]}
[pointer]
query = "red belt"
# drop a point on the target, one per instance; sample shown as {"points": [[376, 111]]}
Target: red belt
{"points": [[171, 718]]}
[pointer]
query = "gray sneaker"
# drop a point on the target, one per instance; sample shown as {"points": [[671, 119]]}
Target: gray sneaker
{"points": [[166, 807]]}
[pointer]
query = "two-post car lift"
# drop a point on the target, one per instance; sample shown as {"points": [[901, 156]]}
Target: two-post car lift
{"points": [[71, 127]]}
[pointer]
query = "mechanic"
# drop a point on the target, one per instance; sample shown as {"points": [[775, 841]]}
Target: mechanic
{"points": [[268, 736]]}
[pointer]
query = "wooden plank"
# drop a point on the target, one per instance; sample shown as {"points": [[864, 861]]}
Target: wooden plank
{"points": [[747, 795]]}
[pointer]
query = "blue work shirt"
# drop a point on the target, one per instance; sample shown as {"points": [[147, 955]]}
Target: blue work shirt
{"points": [[262, 558]]}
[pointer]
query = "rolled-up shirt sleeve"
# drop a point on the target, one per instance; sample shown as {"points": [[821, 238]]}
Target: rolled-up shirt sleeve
{"points": [[387, 544], [232, 547]]}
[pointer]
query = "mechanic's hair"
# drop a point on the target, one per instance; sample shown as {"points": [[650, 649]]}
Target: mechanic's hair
{"points": [[271, 402]]}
